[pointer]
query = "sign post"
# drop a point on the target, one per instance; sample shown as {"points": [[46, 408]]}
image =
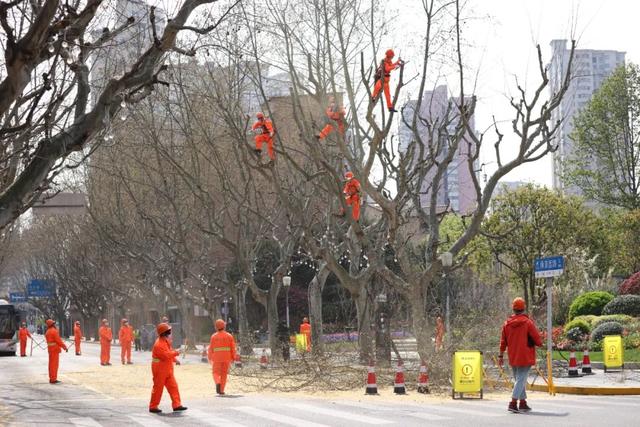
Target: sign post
{"points": [[549, 268]]}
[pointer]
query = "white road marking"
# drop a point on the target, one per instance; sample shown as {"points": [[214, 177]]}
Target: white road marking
{"points": [[338, 414], [468, 411], [561, 405], [211, 419], [147, 420], [606, 402], [428, 416], [84, 422], [284, 419]]}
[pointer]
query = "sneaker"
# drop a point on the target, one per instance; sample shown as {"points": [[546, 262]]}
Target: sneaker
{"points": [[393, 110], [513, 407], [155, 410], [523, 406], [55, 382], [180, 408], [78, 354], [218, 388]]}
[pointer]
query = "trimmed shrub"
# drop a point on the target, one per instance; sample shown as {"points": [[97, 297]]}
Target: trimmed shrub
{"points": [[623, 319], [576, 335], [589, 318], [631, 286], [583, 325], [589, 303], [624, 304], [608, 328]]}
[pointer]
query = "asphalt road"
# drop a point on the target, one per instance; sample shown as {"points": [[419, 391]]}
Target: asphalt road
{"points": [[35, 402]]}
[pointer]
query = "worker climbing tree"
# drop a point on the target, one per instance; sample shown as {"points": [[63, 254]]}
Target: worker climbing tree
{"points": [[263, 129], [383, 76], [351, 193], [335, 113]]}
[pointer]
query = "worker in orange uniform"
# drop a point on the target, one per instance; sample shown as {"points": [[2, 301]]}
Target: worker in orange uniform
{"points": [[383, 75], [335, 113], [77, 336], [305, 328], [263, 128], [125, 336], [222, 351], [351, 193], [105, 343], [162, 359], [439, 333], [23, 334], [54, 346]]}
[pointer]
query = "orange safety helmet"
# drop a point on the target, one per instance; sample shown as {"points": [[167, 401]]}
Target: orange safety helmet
{"points": [[220, 325], [390, 53], [518, 304], [162, 328], [260, 115], [50, 322], [348, 175]]}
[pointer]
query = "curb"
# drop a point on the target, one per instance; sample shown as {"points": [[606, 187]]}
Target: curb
{"points": [[587, 390]]}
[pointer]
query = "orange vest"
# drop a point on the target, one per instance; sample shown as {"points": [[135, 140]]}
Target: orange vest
{"points": [[222, 347]]}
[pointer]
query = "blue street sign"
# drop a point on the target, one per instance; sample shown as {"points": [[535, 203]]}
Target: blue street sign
{"points": [[17, 297], [548, 267], [40, 288]]}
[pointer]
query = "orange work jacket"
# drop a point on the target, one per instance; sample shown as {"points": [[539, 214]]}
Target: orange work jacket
{"points": [[105, 334], [126, 334], [54, 343], [222, 347], [23, 333]]}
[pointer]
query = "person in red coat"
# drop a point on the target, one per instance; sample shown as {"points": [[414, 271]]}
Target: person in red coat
{"points": [[222, 351], [23, 334], [54, 346], [520, 338], [162, 359]]}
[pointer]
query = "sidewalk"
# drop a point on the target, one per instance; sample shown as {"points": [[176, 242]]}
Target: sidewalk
{"points": [[621, 382]]}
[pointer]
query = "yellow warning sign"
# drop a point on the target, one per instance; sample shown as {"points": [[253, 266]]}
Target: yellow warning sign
{"points": [[613, 350], [467, 372]]}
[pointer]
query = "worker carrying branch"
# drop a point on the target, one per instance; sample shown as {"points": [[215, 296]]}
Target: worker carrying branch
{"points": [[383, 76], [352, 196], [263, 129], [335, 113]]}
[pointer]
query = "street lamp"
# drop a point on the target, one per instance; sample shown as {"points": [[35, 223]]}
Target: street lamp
{"points": [[286, 282], [447, 262]]}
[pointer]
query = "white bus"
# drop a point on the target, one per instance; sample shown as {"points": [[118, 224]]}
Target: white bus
{"points": [[9, 320]]}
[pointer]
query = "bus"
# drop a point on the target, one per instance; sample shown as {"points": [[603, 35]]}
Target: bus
{"points": [[9, 320]]}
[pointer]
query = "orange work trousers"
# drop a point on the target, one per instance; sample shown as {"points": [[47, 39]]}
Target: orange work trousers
{"points": [[220, 371], [105, 352], [329, 128], [160, 381], [264, 138], [77, 342], [125, 351], [54, 360], [387, 94], [354, 202], [23, 347]]}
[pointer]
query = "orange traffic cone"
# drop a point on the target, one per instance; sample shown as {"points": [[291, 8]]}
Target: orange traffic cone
{"points": [[263, 360], [398, 384], [237, 361], [423, 379], [372, 387], [203, 356], [573, 365], [586, 362]]}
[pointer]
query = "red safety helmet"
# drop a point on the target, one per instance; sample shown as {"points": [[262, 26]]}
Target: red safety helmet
{"points": [[518, 304], [348, 175], [50, 322], [220, 325], [260, 115], [162, 328], [390, 53]]}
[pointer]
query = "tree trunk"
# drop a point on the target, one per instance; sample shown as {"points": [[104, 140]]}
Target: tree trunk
{"points": [[272, 321], [315, 309], [188, 338], [422, 329], [365, 336], [243, 324]]}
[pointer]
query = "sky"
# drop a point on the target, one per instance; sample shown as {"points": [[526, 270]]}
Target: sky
{"points": [[503, 35]]}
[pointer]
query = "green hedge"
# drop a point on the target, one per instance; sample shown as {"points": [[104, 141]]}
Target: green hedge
{"points": [[579, 323], [624, 304], [623, 319], [608, 328], [589, 303]]}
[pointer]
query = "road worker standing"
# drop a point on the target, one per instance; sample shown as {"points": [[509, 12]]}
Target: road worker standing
{"points": [[125, 336], [162, 359], [222, 351], [23, 334], [105, 343], [305, 329], [77, 336], [54, 346]]}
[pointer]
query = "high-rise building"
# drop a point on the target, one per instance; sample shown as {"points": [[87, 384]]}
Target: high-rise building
{"points": [[456, 190], [590, 68]]}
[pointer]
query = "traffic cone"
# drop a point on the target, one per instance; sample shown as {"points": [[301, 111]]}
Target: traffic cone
{"points": [[573, 365], [263, 360], [423, 379], [237, 361], [398, 384], [203, 356], [372, 387], [586, 362]]}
